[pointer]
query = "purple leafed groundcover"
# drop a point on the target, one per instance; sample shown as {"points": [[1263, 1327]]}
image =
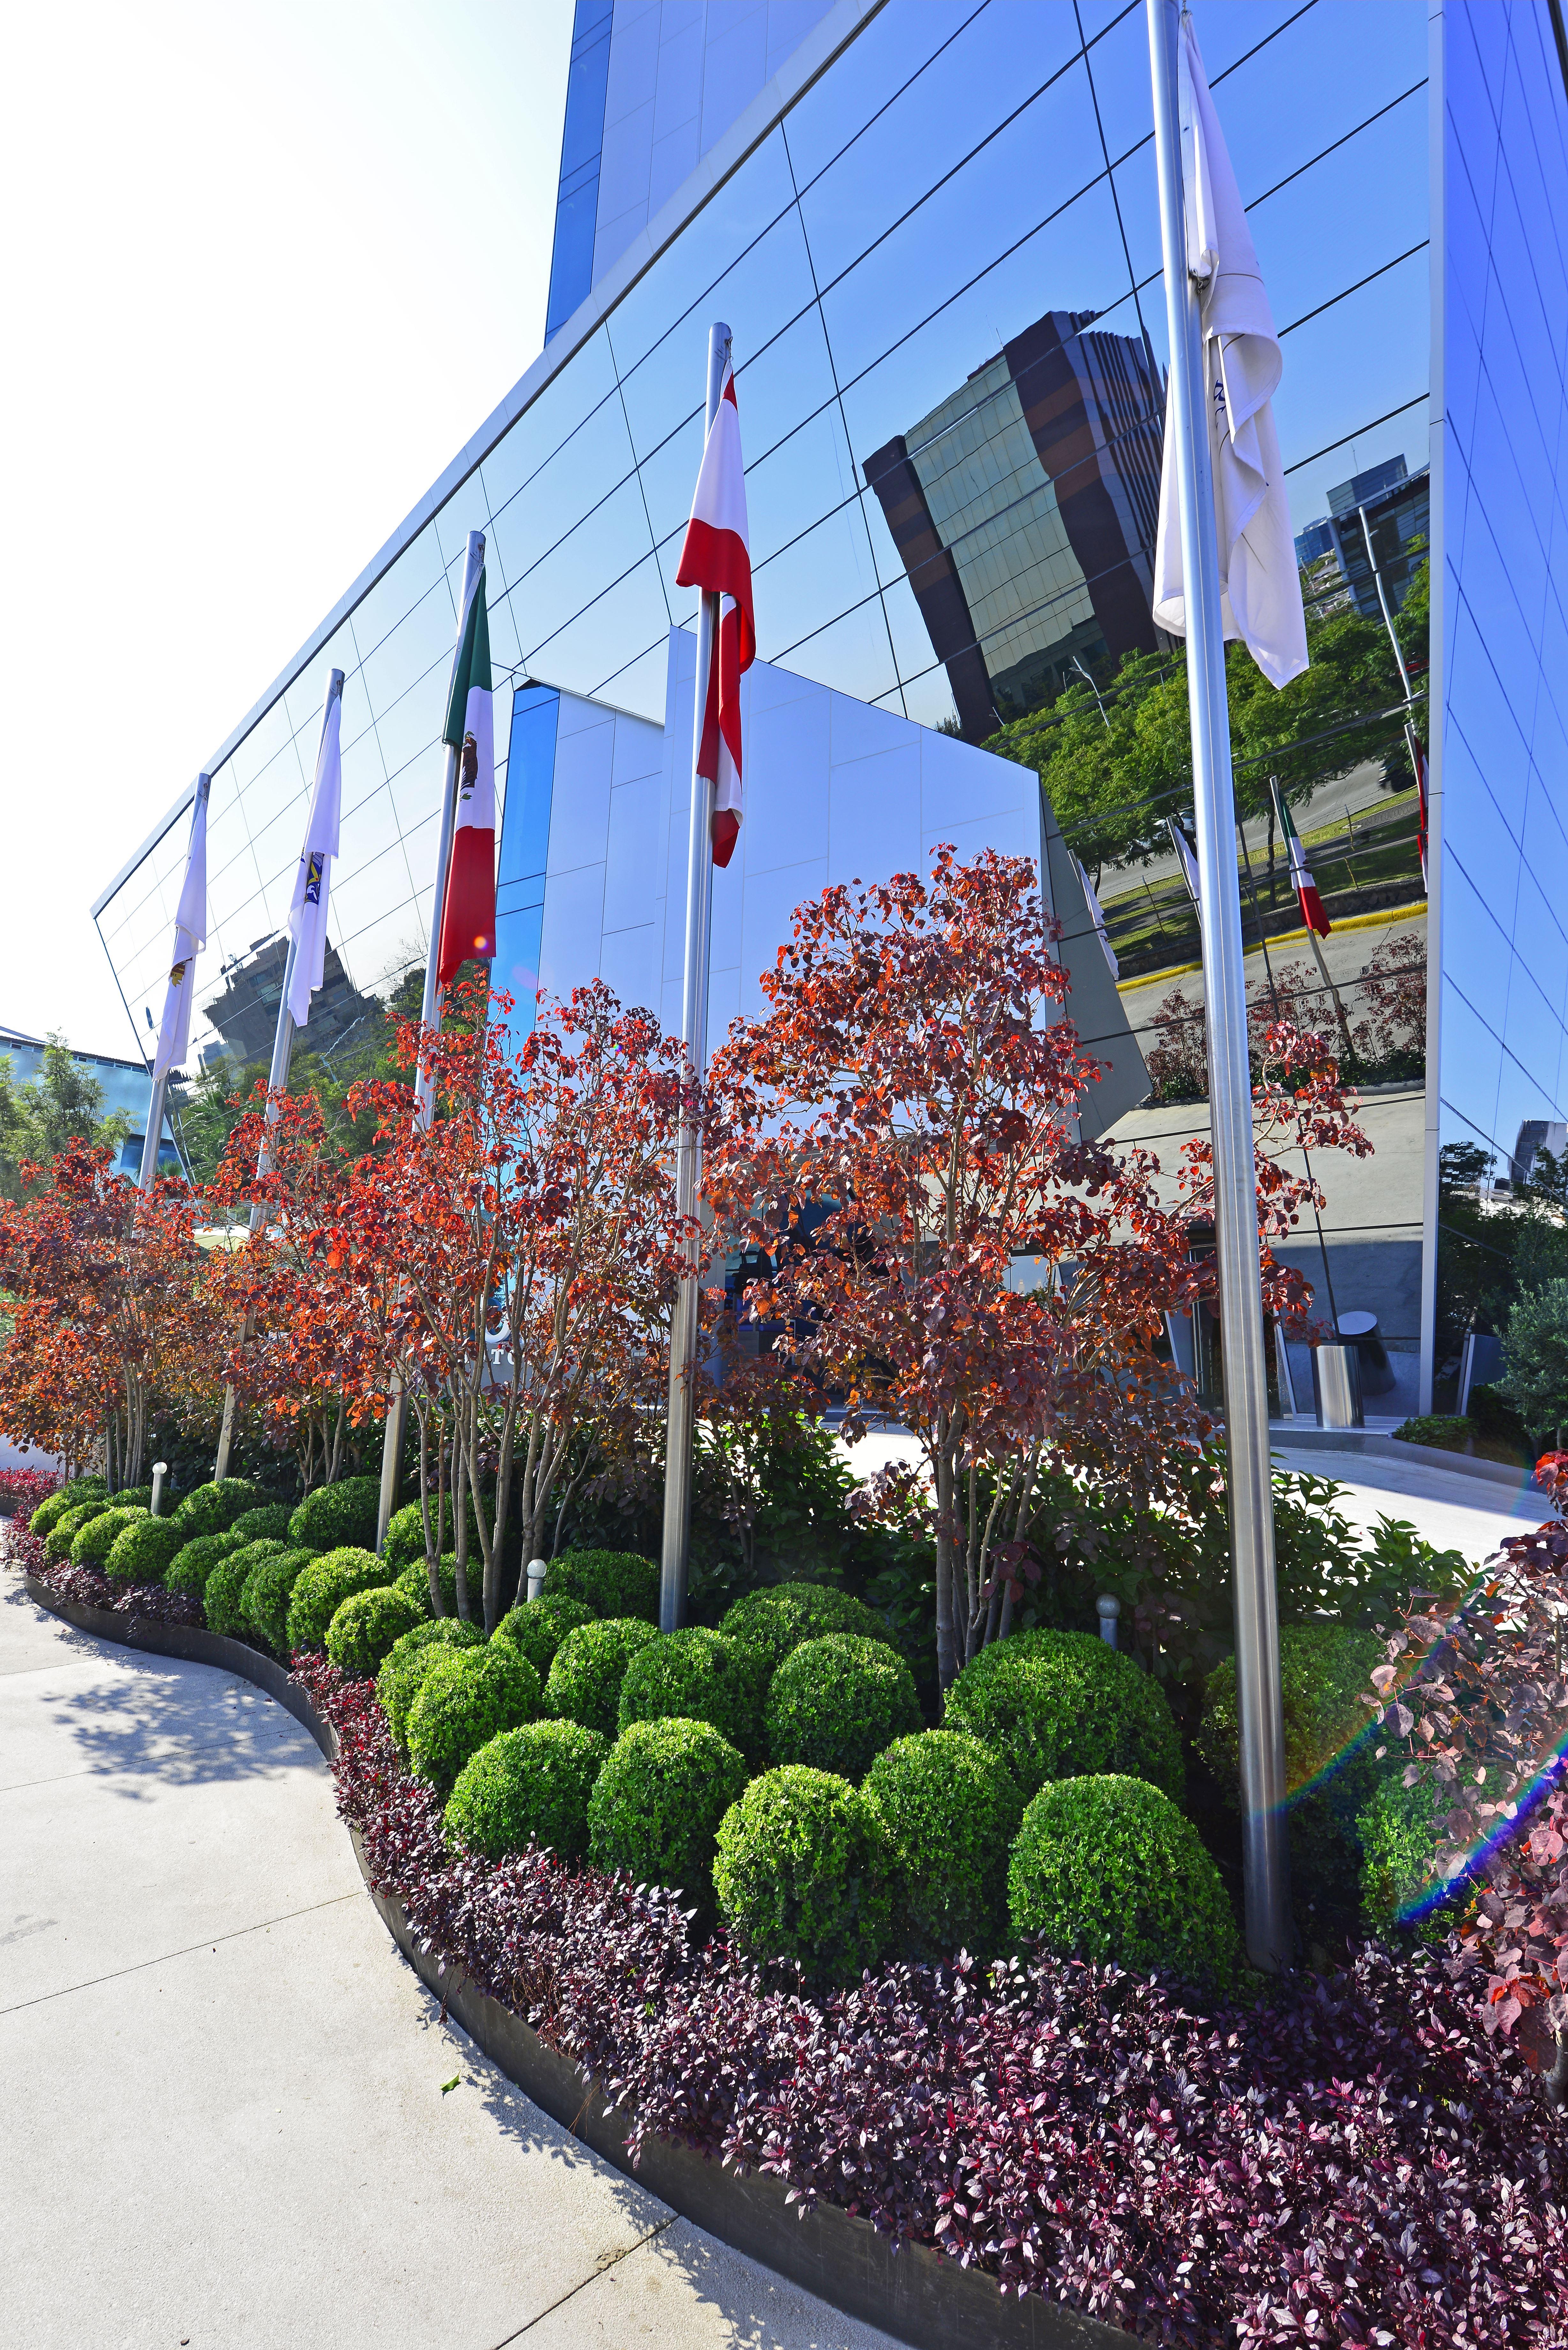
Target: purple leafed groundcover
{"points": [[84, 1587], [1353, 2162]]}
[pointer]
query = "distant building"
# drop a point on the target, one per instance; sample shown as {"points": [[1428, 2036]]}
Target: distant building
{"points": [[1397, 505], [1536, 1135], [244, 1012], [126, 1087], [1024, 509]]}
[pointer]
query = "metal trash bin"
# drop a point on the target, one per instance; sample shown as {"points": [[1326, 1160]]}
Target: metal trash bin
{"points": [[1336, 1386], [1377, 1372]]}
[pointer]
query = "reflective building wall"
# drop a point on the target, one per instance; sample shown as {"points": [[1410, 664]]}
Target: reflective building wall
{"points": [[931, 223]]}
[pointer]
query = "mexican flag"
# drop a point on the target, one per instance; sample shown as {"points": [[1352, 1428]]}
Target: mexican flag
{"points": [[1312, 914], [467, 913]]}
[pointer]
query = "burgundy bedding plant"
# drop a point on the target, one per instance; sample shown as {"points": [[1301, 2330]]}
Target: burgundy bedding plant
{"points": [[23, 1491], [1353, 2160], [84, 1587]]}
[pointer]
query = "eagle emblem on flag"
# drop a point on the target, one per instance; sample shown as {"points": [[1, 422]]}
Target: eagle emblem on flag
{"points": [[469, 763], [177, 974], [313, 879]]}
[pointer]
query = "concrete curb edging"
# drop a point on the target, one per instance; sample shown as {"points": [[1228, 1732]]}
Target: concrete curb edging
{"points": [[920, 2295]]}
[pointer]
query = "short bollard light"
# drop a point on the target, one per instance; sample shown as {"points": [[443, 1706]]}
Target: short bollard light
{"points": [[1108, 1610], [159, 1472], [537, 1570]]}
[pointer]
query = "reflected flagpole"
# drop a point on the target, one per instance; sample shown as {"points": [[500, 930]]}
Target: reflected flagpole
{"points": [[430, 1022], [1264, 1853], [307, 920], [189, 936]]}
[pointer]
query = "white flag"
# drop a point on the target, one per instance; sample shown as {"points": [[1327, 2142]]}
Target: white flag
{"points": [[307, 909], [1096, 916], [189, 936], [1260, 592]]}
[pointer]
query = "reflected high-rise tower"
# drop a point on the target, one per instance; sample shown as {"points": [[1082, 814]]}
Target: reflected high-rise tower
{"points": [[1025, 507]]}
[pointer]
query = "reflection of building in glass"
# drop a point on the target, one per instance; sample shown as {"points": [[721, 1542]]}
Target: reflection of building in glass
{"points": [[1397, 505], [1025, 508], [244, 1015]]}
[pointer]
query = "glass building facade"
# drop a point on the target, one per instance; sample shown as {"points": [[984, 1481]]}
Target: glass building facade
{"points": [[931, 225]]}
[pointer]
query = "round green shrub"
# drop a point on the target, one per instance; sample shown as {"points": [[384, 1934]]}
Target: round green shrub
{"points": [[613, 1584], [194, 1561], [539, 1626], [266, 1593], [69, 1524], [803, 1870], [212, 1509], [406, 1532], [223, 1599], [530, 1785], [338, 1517], [951, 1808], [134, 1497], [1106, 1869], [696, 1675], [269, 1523], [323, 1588], [1063, 1705], [784, 1615], [91, 1543], [47, 1515], [590, 1666], [143, 1551], [655, 1808], [366, 1624], [834, 1704], [1397, 1834], [1331, 1770], [415, 1581], [397, 1682], [467, 1697]]}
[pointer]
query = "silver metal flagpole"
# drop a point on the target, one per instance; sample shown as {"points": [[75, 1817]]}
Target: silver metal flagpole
{"points": [[277, 1082], [429, 1019], [1265, 1851], [689, 1156], [148, 1172]]}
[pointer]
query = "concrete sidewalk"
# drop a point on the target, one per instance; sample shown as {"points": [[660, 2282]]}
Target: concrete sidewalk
{"points": [[220, 2111]]}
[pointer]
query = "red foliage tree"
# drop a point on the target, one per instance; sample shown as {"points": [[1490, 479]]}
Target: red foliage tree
{"points": [[916, 1080]]}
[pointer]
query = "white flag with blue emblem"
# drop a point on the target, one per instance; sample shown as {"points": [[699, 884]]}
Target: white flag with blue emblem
{"points": [[307, 910]]}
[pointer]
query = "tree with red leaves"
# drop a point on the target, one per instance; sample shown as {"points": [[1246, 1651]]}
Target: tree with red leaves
{"points": [[916, 1078], [520, 1256], [109, 1311]]}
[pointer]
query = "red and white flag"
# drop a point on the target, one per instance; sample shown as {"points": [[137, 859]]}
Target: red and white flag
{"points": [[1310, 902], [717, 558]]}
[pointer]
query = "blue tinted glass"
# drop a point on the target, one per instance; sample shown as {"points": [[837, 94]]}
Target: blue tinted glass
{"points": [[530, 780]]}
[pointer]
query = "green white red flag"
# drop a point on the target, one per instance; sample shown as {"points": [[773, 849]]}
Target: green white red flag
{"points": [[1311, 903], [468, 912]]}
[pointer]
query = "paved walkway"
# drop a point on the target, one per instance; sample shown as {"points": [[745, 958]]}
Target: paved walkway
{"points": [[220, 2111]]}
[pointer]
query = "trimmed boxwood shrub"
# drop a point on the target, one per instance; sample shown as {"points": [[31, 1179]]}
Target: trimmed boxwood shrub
{"points": [[611, 1582], [194, 1561], [1331, 1770], [397, 1682], [323, 1588], [530, 1785], [224, 1598], [368, 1625], [539, 1626], [951, 1808], [69, 1524], [406, 1532], [266, 1593], [136, 1497], [834, 1704], [468, 1697], [656, 1808], [1063, 1705], [47, 1515], [780, 1618], [415, 1581], [698, 1676], [1397, 1834], [269, 1523], [590, 1666], [212, 1509], [803, 1870], [144, 1551], [1106, 1869], [91, 1543], [338, 1517]]}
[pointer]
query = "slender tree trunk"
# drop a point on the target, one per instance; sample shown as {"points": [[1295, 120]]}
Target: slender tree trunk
{"points": [[337, 1442], [946, 1655], [459, 1524]]}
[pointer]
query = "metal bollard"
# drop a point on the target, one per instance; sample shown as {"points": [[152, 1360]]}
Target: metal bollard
{"points": [[159, 1472], [1108, 1610], [537, 1569]]}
